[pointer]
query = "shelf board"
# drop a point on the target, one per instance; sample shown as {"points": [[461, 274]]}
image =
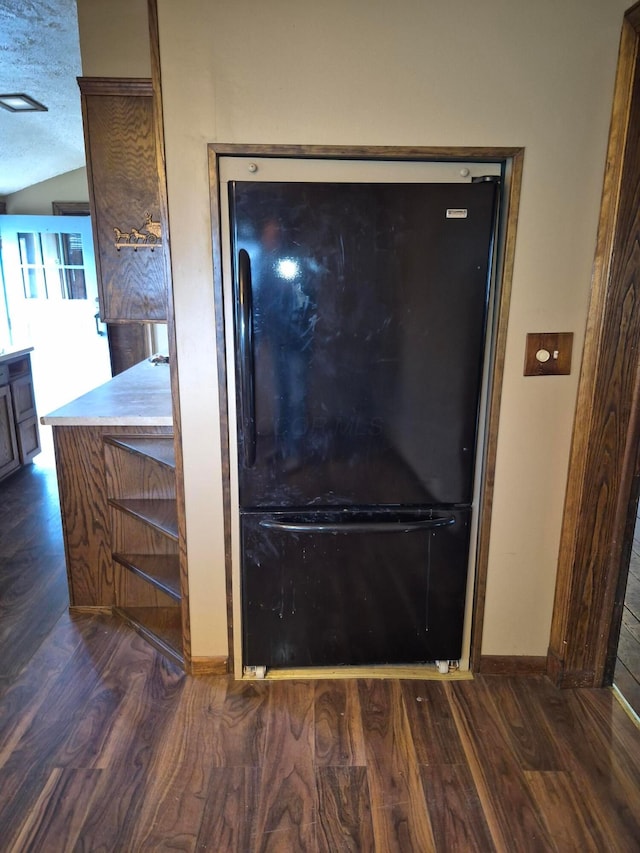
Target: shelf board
{"points": [[156, 447], [160, 513], [160, 626], [161, 570]]}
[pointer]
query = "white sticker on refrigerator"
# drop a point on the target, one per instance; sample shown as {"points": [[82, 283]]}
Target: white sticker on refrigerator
{"points": [[456, 213]]}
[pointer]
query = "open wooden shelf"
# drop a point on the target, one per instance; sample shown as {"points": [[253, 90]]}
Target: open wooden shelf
{"points": [[161, 570], [154, 447], [140, 475], [159, 513], [160, 626]]}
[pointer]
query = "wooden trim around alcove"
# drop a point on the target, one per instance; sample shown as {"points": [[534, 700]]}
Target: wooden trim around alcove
{"points": [[156, 89], [606, 434], [512, 159]]}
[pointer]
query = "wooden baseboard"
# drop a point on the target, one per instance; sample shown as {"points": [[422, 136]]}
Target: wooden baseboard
{"points": [[512, 665], [209, 666]]}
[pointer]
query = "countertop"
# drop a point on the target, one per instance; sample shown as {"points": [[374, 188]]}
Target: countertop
{"points": [[140, 396], [8, 354]]}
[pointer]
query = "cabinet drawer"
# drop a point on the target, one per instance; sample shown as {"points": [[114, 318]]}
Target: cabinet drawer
{"points": [[4, 374], [367, 588]]}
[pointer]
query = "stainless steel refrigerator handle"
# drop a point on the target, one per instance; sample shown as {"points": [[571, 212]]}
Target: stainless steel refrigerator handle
{"points": [[357, 526], [245, 345]]}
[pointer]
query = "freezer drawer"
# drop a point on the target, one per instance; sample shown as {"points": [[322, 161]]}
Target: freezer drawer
{"points": [[351, 588]]}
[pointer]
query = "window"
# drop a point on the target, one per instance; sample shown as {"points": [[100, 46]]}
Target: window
{"points": [[52, 265]]}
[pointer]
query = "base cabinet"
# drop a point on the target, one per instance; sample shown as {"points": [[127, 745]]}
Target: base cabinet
{"points": [[19, 431], [119, 503]]}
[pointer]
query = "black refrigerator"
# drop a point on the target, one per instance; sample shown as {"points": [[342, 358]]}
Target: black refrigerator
{"points": [[360, 313]]}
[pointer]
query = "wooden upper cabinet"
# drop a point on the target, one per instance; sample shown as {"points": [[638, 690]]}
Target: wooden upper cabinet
{"points": [[124, 192]]}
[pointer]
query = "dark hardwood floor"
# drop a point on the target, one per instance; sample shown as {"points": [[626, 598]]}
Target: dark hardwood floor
{"points": [[627, 672], [33, 579], [106, 746]]}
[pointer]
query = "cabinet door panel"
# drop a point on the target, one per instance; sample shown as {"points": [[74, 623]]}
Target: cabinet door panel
{"points": [[125, 199], [24, 402], [28, 439], [9, 459]]}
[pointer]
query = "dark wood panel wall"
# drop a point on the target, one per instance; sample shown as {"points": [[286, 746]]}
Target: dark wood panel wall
{"points": [[607, 422]]}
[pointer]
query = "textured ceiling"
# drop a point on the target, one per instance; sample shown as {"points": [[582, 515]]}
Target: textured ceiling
{"points": [[40, 56]]}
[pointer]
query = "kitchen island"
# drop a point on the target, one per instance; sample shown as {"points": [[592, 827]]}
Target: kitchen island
{"points": [[116, 477], [139, 396]]}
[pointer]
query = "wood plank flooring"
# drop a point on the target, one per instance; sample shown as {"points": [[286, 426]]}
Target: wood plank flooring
{"points": [[33, 578], [106, 746], [627, 672]]}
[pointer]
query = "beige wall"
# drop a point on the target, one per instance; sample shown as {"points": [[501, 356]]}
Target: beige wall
{"points": [[412, 72], [71, 186], [114, 38]]}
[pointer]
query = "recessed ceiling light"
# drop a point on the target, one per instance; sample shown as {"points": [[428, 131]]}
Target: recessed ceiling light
{"points": [[21, 103]]}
